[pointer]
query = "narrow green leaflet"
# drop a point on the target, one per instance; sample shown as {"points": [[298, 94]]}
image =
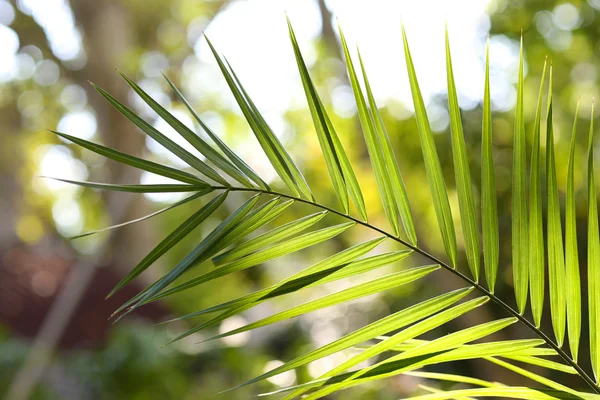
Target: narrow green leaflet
{"points": [[167, 243], [197, 281], [572, 279], [364, 289], [217, 201], [295, 172], [542, 362], [136, 162], [199, 253], [387, 368], [302, 280], [432, 161], [438, 347], [190, 136], [269, 253], [510, 392], [544, 381], [256, 219], [307, 277], [237, 161], [526, 352], [391, 164], [273, 236], [455, 339], [166, 188], [167, 143], [593, 272], [319, 115], [536, 230], [556, 255], [351, 181], [382, 178], [344, 380], [520, 250], [451, 378], [466, 202], [400, 337], [280, 159], [489, 208], [390, 323], [145, 217], [436, 390]]}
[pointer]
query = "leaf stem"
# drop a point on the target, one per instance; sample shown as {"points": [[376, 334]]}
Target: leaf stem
{"points": [[445, 265]]}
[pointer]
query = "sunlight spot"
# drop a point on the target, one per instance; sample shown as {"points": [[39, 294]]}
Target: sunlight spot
{"points": [[58, 161], [286, 378], [68, 217], [81, 124], [73, 97], [230, 324]]}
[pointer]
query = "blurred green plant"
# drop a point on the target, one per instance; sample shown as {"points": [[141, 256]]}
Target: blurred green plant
{"points": [[229, 250]]}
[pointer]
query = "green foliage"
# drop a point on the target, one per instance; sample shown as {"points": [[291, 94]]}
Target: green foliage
{"points": [[236, 244]]}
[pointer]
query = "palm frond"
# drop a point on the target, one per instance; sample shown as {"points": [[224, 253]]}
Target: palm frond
{"points": [[252, 235]]}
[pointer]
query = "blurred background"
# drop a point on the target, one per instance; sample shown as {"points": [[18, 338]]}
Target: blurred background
{"points": [[55, 340]]}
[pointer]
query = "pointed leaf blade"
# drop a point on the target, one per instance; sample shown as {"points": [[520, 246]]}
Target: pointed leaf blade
{"points": [[489, 208], [165, 188], [191, 137], [432, 162], [391, 164], [519, 200], [556, 255], [365, 289], [167, 143], [382, 178], [133, 221], [279, 158], [572, 278], [463, 176], [536, 230], [237, 161], [324, 134], [165, 245], [390, 323], [136, 162], [273, 236], [593, 272]]}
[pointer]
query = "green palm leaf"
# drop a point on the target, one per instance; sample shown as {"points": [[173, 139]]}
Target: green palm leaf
{"points": [[191, 137], [489, 208], [520, 250], [536, 232], [250, 236], [391, 165], [333, 152], [593, 270], [280, 159], [167, 143], [463, 176], [361, 290], [392, 322], [239, 163], [136, 162], [433, 169], [572, 279], [382, 177], [556, 255]]}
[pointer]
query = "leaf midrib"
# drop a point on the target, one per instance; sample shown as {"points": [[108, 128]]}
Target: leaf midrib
{"points": [[444, 265]]}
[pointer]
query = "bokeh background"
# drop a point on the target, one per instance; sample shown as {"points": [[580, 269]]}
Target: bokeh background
{"points": [[55, 340]]}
